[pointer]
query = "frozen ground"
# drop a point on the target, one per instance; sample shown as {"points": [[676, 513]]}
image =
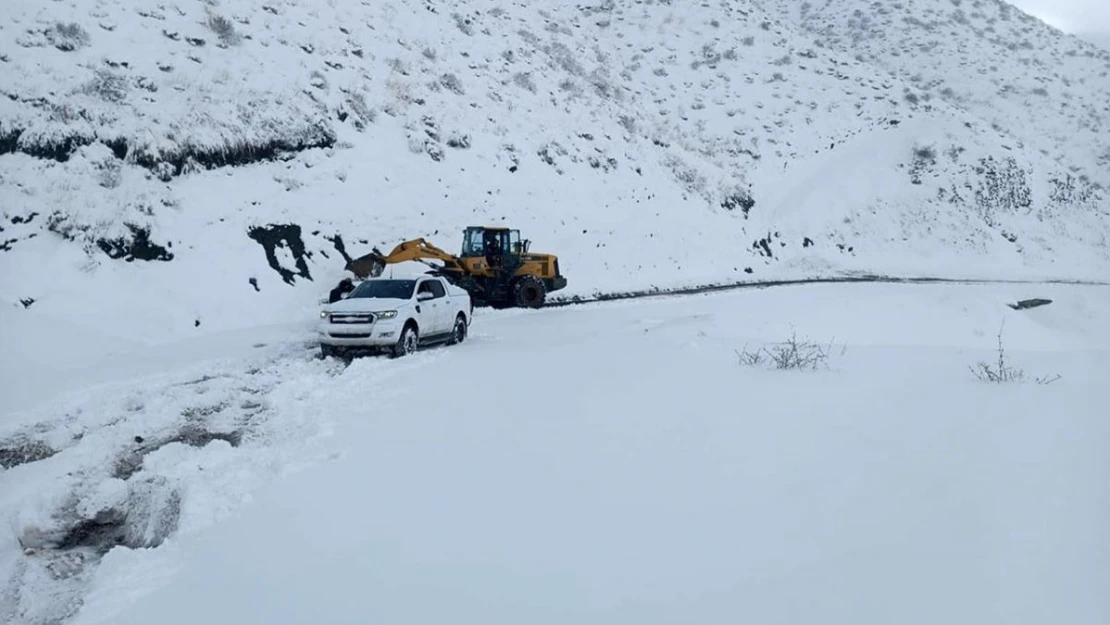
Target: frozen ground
{"points": [[604, 463]]}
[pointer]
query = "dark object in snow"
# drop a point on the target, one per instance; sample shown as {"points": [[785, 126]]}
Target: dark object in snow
{"points": [[341, 290], [740, 200], [192, 435], [24, 220], [279, 235], [24, 452], [806, 242], [101, 533], [254, 283], [765, 246], [340, 247], [140, 247], [1030, 303], [748, 270], [9, 141], [196, 323], [27, 302]]}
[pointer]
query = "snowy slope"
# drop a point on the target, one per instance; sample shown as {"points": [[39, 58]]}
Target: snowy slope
{"points": [[646, 144], [632, 471], [1048, 90]]}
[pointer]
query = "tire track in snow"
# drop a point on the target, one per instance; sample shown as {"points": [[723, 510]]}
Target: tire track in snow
{"points": [[134, 468]]}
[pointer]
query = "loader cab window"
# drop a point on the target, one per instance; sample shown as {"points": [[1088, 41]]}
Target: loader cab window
{"points": [[514, 247], [494, 247], [473, 243]]}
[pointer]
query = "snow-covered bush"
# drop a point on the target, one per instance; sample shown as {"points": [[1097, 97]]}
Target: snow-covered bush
{"points": [[1001, 372], [792, 353], [224, 29], [67, 37]]}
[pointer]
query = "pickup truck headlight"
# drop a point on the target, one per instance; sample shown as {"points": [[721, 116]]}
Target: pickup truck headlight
{"points": [[324, 314], [386, 314]]}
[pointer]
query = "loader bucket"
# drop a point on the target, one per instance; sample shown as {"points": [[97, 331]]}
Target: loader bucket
{"points": [[369, 266]]}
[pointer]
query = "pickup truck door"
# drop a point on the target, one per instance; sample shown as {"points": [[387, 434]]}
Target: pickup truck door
{"points": [[429, 308], [442, 307]]}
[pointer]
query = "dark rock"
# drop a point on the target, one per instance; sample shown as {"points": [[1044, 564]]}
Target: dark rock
{"points": [[254, 283], [1030, 303], [279, 235], [139, 247], [806, 242], [27, 301], [337, 242]]}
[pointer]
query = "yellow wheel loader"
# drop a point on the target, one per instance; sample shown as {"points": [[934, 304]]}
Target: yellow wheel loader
{"points": [[495, 267]]}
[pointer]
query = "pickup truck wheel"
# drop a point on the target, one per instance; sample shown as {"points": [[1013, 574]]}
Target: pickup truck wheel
{"points": [[458, 334], [407, 343]]}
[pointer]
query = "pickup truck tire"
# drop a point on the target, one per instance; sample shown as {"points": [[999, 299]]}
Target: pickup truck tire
{"points": [[407, 342], [530, 292], [458, 333]]}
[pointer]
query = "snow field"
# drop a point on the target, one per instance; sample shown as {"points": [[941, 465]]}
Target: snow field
{"points": [[624, 466]]}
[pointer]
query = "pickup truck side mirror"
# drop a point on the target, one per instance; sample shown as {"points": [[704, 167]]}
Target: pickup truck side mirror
{"points": [[424, 296]]}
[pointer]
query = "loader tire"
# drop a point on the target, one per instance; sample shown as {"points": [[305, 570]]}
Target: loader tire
{"points": [[530, 292]]}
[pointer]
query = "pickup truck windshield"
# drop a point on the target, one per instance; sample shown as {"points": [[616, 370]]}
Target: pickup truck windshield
{"points": [[384, 289]]}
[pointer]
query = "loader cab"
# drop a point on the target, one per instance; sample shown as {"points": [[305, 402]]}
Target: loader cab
{"points": [[500, 246]]}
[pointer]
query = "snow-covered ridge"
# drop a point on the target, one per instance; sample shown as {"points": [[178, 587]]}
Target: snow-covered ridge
{"points": [[648, 144]]}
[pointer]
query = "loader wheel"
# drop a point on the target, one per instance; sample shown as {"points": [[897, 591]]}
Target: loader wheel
{"points": [[530, 292], [458, 334], [406, 345]]}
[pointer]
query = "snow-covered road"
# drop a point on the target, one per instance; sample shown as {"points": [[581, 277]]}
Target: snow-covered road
{"points": [[611, 463]]}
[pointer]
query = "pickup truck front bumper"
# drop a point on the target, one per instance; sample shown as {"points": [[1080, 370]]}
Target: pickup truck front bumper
{"points": [[377, 333]]}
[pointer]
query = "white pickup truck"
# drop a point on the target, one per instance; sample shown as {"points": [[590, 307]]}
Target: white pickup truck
{"points": [[394, 315]]}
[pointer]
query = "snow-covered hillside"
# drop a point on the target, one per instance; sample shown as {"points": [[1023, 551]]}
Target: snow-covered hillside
{"points": [[175, 168], [1027, 80]]}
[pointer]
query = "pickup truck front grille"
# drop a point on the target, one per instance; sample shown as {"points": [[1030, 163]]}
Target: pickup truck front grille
{"points": [[352, 318], [361, 335]]}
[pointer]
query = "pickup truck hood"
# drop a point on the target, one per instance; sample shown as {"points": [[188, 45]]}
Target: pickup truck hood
{"points": [[367, 304]]}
